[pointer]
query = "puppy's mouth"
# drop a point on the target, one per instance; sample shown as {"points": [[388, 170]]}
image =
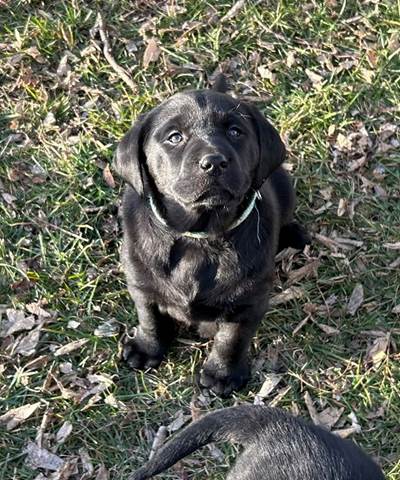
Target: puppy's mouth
{"points": [[214, 197]]}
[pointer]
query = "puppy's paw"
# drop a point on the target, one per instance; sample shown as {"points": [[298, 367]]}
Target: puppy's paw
{"points": [[293, 235], [141, 355], [221, 379]]}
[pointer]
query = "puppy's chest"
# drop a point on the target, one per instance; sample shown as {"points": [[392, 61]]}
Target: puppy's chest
{"points": [[195, 275]]}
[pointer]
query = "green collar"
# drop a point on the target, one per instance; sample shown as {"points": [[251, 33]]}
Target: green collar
{"points": [[256, 196]]}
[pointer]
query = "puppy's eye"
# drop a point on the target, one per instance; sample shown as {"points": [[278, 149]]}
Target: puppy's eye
{"points": [[175, 138], [234, 132]]}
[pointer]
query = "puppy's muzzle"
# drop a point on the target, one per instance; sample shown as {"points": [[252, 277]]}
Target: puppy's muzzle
{"points": [[214, 164]]}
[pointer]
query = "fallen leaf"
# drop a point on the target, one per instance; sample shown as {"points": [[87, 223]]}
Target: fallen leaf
{"points": [[152, 52], [396, 309], [270, 383], [329, 416], [70, 347], [64, 432], [368, 75], [8, 198], [395, 263], [215, 452], [63, 69], [316, 79], [102, 473], [37, 310], [69, 468], [342, 207], [356, 299], [377, 351], [311, 409], [41, 458], [234, 10], [86, 464], [16, 322], [158, 440], [327, 329], [108, 177], [16, 416], [392, 246], [281, 394], [110, 328], [307, 271], [266, 73], [27, 345], [291, 293], [290, 59], [179, 420], [113, 402], [358, 163]]}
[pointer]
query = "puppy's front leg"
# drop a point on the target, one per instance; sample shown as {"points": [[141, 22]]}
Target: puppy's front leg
{"points": [[228, 366], [154, 335]]}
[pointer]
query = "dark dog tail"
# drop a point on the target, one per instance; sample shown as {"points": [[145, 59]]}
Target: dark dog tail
{"points": [[237, 424]]}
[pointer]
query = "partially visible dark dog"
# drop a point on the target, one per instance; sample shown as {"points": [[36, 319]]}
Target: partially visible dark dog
{"points": [[205, 208], [276, 445]]}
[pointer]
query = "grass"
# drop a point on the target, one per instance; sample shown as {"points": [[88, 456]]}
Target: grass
{"points": [[59, 233]]}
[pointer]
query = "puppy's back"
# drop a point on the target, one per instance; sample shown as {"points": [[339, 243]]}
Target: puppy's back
{"points": [[277, 446]]}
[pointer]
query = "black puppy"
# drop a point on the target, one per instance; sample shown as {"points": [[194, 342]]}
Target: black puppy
{"points": [[276, 445], [205, 208]]}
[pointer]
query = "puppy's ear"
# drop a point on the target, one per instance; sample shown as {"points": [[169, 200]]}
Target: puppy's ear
{"points": [[272, 149], [129, 159], [220, 84]]}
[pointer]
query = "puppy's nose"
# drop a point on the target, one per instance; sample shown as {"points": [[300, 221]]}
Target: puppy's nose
{"points": [[213, 162]]}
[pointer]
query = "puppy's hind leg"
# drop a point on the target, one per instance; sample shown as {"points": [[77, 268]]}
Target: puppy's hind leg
{"points": [[293, 235], [155, 333]]}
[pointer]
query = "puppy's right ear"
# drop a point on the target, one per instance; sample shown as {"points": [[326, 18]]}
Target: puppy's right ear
{"points": [[129, 159]]}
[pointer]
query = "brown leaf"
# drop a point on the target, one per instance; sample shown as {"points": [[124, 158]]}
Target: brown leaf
{"points": [[368, 75], [38, 310], [307, 271], [64, 432], [342, 207], [396, 309], [179, 420], [70, 347], [152, 52], [102, 473], [158, 440], [358, 163], [291, 59], [87, 464], [330, 416], [356, 299], [16, 416], [266, 73], [291, 293], [270, 383], [377, 351], [41, 458], [316, 79], [234, 10], [108, 177], [392, 246], [311, 409], [327, 329], [27, 345], [16, 322]]}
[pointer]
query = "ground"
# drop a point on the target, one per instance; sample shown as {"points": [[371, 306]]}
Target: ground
{"points": [[327, 75]]}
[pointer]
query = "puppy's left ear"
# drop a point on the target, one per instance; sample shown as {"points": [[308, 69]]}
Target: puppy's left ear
{"points": [[272, 151], [129, 159]]}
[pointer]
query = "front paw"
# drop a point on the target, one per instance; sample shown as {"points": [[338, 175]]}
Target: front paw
{"points": [[222, 379], [141, 355]]}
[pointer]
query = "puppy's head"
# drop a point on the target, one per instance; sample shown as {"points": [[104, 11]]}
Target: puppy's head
{"points": [[200, 148]]}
